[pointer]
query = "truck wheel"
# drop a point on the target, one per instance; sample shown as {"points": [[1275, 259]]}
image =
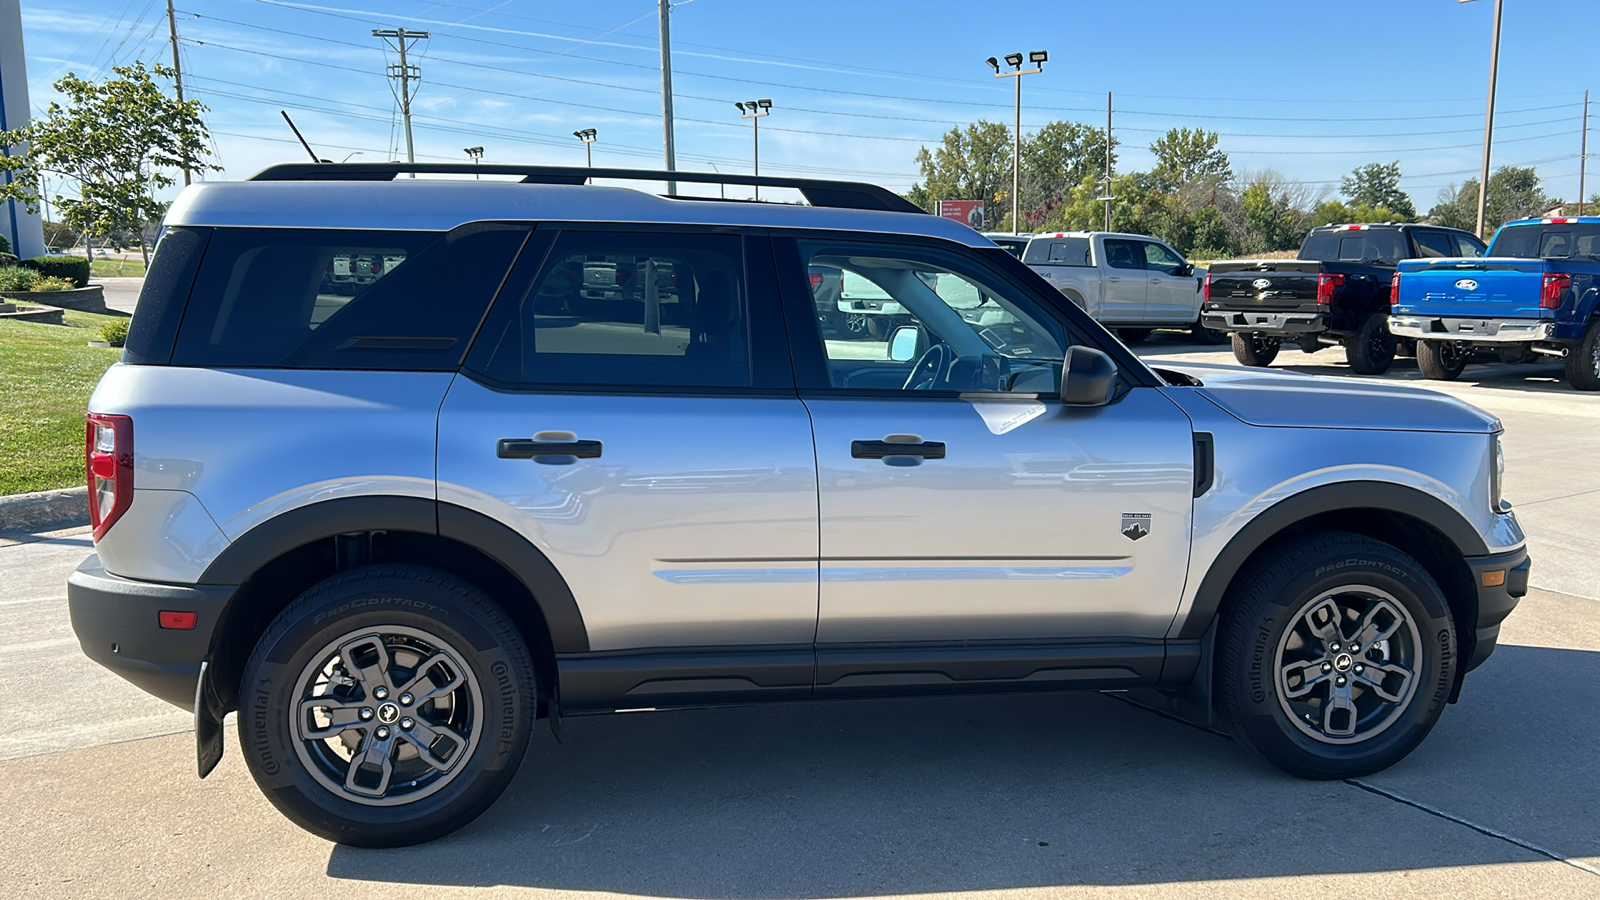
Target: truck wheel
{"points": [[1133, 335], [1442, 360], [1336, 657], [1308, 344], [1405, 347], [1583, 361], [1370, 351], [1254, 349], [386, 706], [1513, 354], [1206, 336]]}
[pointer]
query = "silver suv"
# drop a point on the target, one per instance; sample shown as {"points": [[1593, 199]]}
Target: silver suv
{"points": [[579, 449]]}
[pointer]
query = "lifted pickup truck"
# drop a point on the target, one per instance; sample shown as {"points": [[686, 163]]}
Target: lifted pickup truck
{"points": [[1130, 282], [1335, 292], [1537, 292]]}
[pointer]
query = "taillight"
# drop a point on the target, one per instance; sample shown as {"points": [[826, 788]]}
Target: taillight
{"points": [[1205, 289], [108, 464], [1394, 289], [1326, 285], [816, 281], [1555, 287]]}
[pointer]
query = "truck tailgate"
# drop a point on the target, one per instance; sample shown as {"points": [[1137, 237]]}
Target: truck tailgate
{"points": [[1266, 284], [1489, 288]]}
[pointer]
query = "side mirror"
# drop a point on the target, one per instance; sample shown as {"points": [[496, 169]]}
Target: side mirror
{"points": [[903, 343], [1088, 377]]}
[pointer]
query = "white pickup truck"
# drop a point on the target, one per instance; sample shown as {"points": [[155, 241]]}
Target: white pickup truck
{"points": [[1133, 283]]}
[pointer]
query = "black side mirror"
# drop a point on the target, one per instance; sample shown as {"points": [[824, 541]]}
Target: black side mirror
{"points": [[1088, 377]]}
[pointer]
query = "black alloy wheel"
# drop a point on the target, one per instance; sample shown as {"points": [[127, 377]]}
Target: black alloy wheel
{"points": [[1370, 351], [1583, 360]]}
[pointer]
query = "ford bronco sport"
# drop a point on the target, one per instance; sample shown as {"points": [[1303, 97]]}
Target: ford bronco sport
{"points": [[393, 529]]}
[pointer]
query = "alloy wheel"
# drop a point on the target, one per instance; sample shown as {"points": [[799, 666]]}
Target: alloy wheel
{"points": [[1346, 667]]}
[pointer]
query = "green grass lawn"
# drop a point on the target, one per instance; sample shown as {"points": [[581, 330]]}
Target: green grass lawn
{"points": [[116, 268], [47, 373]]}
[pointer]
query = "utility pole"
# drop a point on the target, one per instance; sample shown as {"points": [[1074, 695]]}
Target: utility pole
{"points": [[1014, 60], [405, 74], [177, 70], [1583, 150], [666, 95], [1107, 197], [1488, 119]]}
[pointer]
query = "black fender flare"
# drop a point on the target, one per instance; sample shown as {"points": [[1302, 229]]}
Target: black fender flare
{"points": [[1295, 508], [325, 519]]}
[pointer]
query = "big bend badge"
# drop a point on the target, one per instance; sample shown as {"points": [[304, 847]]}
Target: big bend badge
{"points": [[1135, 525]]}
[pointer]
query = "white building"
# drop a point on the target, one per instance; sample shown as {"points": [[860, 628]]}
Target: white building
{"points": [[21, 228]]}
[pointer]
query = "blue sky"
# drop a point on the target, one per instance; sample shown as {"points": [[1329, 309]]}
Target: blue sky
{"points": [[1309, 89]]}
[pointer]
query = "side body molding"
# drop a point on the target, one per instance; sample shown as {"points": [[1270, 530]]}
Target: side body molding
{"points": [[346, 515], [1351, 495]]}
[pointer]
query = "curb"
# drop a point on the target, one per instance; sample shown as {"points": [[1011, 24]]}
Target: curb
{"points": [[44, 510]]}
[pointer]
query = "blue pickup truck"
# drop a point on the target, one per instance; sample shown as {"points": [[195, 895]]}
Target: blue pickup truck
{"points": [[1536, 292]]}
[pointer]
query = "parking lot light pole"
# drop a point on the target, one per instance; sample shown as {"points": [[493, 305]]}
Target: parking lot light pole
{"points": [[1014, 60], [587, 136], [755, 110], [475, 154]]}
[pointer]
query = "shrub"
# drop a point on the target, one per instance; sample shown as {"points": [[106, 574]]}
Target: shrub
{"points": [[7, 259], [17, 278], [52, 283], [72, 268], [115, 333], [5, 245]]}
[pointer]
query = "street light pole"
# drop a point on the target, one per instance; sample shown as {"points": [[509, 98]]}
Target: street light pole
{"points": [[1488, 119], [586, 137], [1014, 60], [475, 154], [755, 111]]}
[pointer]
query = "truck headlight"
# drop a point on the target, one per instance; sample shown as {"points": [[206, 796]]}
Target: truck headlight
{"points": [[1497, 476]]}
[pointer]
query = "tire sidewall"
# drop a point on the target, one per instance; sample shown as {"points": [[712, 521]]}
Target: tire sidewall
{"points": [[322, 615], [1254, 704]]}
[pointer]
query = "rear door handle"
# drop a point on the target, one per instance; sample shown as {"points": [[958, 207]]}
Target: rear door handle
{"points": [[524, 448], [884, 449]]}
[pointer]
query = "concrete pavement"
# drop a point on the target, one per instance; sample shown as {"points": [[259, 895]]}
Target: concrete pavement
{"points": [[1028, 796], [121, 293]]}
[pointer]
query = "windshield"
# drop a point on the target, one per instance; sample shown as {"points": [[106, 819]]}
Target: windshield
{"points": [[1576, 240], [1372, 245]]}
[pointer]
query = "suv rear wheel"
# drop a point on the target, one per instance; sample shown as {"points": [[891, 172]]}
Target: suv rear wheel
{"points": [[1336, 657], [1254, 349], [386, 706], [1442, 360], [1583, 361], [1133, 335], [1370, 351]]}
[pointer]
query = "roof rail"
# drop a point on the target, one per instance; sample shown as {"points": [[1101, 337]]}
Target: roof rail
{"points": [[833, 194]]}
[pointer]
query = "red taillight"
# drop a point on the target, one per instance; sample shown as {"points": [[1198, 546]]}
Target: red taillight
{"points": [[1555, 287], [816, 280], [178, 621], [1326, 285], [1205, 289], [108, 465], [1394, 288]]}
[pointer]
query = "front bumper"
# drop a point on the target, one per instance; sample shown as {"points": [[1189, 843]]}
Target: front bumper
{"points": [[1501, 580], [1499, 331], [117, 621], [1283, 323]]}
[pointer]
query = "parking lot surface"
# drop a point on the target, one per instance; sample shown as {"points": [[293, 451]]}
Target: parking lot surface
{"points": [[1030, 796]]}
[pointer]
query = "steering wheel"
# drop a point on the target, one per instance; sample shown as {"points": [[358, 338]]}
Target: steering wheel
{"points": [[929, 370]]}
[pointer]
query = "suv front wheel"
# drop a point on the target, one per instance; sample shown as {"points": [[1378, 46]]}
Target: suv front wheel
{"points": [[386, 706], [1336, 657]]}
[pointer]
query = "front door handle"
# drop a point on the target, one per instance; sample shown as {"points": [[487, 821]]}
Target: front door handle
{"points": [[886, 449], [524, 448]]}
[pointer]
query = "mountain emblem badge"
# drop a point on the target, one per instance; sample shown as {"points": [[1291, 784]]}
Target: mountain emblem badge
{"points": [[1135, 525]]}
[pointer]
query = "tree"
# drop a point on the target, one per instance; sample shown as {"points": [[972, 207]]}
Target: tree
{"points": [[1058, 158], [1514, 193], [1276, 213], [974, 164], [119, 141], [1184, 155], [1333, 212], [1378, 185]]}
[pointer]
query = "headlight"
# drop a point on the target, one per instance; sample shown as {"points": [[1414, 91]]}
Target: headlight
{"points": [[1497, 477]]}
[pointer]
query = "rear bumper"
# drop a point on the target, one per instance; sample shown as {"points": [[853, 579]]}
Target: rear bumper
{"points": [[1496, 601], [1282, 323], [118, 626], [1441, 328]]}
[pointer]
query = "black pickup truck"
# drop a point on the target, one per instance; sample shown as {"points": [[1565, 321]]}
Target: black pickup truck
{"points": [[1337, 291]]}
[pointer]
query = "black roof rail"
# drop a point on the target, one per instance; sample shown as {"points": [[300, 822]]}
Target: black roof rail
{"points": [[833, 194]]}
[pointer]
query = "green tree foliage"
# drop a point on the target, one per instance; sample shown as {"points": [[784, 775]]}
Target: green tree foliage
{"points": [[970, 164], [1514, 193], [1184, 155], [1060, 157], [1376, 185], [118, 141], [1334, 212]]}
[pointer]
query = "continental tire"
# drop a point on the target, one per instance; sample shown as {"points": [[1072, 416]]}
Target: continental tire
{"points": [[386, 706], [1583, 361], [1442, 360], [1370, 351], [1254, 349], [1336, 657]]}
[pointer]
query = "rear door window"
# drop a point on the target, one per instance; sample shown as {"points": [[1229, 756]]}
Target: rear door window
{"points": [[1434, 244], [324, 299], [1124, 254]]}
